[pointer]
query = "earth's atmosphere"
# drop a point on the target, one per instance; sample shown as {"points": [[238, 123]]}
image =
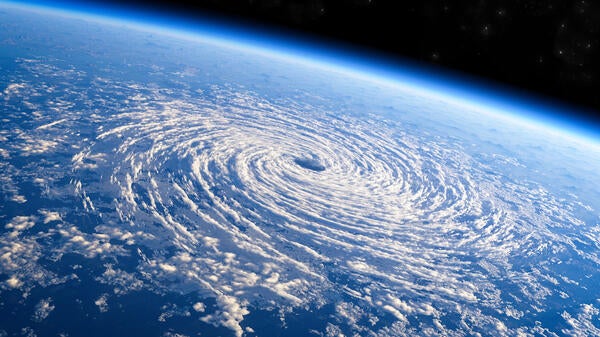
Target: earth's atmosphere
{"points": [[159, 186]]}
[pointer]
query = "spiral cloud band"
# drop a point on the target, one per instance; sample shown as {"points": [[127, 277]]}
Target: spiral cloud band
{"points": [[258, 199]]}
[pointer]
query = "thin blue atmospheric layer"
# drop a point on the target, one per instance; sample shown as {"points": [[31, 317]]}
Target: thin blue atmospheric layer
{"points": [[443, 83]]}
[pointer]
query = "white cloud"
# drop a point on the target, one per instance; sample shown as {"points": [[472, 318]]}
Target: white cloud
{"points": [[19, 198], [395, 312], [102, 303], [199, 307], [231, 314], [43, 309], [168, 267], [50, 216], [583, 324], [14, 282], [13, 89], [21, 223]]}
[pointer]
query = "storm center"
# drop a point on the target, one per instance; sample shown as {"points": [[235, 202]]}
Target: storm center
{"points": [[310, 164]]}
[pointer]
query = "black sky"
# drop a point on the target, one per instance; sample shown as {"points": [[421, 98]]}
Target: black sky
{"points": [[547, 47]]}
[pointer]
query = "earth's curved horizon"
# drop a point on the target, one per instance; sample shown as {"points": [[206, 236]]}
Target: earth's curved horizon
{"points": [[163, 187]]}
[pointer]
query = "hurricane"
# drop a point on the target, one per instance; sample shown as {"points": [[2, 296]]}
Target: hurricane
{"points": [[280, 193]]}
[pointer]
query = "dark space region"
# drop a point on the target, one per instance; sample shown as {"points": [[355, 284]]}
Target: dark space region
{"points": [[549, 48]]}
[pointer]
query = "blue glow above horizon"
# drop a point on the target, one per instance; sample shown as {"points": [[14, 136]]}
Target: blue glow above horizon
{"points": [[458, 88]]}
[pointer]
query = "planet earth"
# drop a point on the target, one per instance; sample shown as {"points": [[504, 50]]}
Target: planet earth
{"points": [[156, 184]]}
